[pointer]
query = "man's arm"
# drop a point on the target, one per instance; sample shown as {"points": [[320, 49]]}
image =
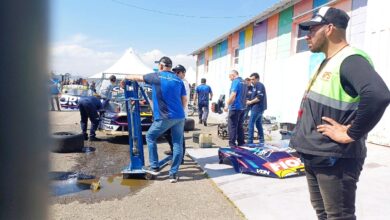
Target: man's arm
{"points": [[184, 101], [231, 98], [138, 78], [358, 77]]}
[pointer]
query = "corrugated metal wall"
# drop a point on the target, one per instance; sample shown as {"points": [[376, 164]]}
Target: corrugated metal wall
{"points": [[259, 48], [269, 47]]}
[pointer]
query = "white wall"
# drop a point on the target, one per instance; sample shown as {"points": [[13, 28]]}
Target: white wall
{"points": [[377, 45]]}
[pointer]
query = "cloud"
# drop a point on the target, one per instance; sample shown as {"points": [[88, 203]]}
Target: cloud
{"points": [[83, 56]]}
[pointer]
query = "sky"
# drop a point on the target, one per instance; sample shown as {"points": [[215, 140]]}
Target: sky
{"points": [[88, 36]]}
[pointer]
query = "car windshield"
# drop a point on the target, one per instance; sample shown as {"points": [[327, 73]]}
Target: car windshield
{"points": [[75, 90]]}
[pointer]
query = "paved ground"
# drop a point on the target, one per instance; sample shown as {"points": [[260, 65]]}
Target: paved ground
{"points": [[197, 197], [194, 197], [268, 198]]}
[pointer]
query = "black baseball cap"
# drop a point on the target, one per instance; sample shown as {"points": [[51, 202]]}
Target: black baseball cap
{"points": [[179, 68], [165, 61], [327, 15]]}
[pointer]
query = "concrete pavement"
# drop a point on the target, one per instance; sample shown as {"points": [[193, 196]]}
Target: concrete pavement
{"points": [[268, 198]]}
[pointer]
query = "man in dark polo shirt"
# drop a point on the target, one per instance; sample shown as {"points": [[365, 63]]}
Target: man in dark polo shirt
{"points": [[169, 99], [204, 95], [236, 106]]}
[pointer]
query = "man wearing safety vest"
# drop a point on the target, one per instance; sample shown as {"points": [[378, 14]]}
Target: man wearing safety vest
{"points": [[344, 100]]}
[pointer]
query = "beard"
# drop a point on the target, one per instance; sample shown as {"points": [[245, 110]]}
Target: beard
{"points": [[319, 44]]}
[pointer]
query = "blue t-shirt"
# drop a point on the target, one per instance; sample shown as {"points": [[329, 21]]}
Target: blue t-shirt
{"points": [[54, 90], [240, 88], [167, 90], [203, 92], [259, 93]]}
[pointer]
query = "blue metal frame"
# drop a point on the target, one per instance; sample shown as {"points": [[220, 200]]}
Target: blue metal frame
{"points": [[132, 99]]}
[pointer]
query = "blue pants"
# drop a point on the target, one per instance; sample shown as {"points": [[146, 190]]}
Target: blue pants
{"points": [[235, 127], [203, 110], [255, 118], [88, 110], [158, 128]]}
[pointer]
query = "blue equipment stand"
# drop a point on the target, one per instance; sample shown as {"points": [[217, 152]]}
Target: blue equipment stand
{"points": [[137, 161]]}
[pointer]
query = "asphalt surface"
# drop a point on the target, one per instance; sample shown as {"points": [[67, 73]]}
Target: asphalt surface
{"points": [[195, 196]]}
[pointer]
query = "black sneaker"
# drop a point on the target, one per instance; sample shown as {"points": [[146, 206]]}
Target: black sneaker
{"points": [[205, 123], [168, 152], [85, 137], [173, 178], [200, 121], [153, 171], [93, 138]]}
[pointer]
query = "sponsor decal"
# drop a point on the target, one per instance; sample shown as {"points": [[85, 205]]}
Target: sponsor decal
{"points": [[285, 166], [69, 101], [263, 152], [262, 172], [326, 76]]}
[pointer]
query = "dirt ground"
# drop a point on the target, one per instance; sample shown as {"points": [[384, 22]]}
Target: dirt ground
{"points": [[193, 197]]}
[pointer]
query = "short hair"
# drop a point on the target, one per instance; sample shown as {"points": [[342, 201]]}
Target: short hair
{"points": [[112, 78], [203, 80], [256, 75], [235, 72], [247, 79]]}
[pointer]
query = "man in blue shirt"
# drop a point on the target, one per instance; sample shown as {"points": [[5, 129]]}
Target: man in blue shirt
{"points": [[88, 107], [236, 105], [257, 105], [55, 92], [169, 99], [204, 94]]}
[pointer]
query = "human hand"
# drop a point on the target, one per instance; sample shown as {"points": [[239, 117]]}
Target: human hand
{"points": [[225, 109], [248, 102], [335, 131]]}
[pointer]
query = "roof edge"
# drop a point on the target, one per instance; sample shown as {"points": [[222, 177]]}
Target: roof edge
{"points": [[278, 7]]}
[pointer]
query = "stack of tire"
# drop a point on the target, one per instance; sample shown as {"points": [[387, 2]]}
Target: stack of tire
{"points": [[67, 142]]}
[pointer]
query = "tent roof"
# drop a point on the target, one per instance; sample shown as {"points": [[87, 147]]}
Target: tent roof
{"points": [[128, 64]]}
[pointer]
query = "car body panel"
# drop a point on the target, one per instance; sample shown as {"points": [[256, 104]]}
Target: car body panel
{"points": [[263, 160]]}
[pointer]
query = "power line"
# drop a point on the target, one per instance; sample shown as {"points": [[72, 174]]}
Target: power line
{"points": [[176, 14]]}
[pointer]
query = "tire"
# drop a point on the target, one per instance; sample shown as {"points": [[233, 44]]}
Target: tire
{"points": [[189, 124], [67, 142]]}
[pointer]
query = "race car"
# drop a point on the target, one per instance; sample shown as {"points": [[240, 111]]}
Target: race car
{"points": [[263, 160], [70, 96]]}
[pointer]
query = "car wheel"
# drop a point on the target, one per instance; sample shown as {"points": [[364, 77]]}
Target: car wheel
{"points": [[189, 124], [67, 142]]}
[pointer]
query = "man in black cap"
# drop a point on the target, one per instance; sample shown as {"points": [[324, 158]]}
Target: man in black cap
{"points": [[169, 99], [344, 100]]}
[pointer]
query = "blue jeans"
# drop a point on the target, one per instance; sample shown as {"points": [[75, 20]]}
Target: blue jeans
{"points": [[158, 128], [255, 118]]}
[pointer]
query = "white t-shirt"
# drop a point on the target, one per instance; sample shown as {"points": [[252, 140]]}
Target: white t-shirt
{"points": [[187, 87]]}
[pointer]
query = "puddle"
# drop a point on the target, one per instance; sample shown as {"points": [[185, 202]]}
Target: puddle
{"points": [[73, 186], [88, 150], [63, 183]]}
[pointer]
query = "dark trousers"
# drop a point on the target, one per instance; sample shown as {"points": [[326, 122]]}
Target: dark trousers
{"points": [[203, 110], [333, 189], [87, 110], [236, 128], [168, 137]]}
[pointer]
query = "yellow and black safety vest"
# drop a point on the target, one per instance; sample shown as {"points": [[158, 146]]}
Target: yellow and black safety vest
{"points": [[325, 96]]}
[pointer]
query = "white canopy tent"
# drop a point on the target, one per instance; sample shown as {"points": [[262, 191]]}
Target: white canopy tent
{"points": [[128, 64]]}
